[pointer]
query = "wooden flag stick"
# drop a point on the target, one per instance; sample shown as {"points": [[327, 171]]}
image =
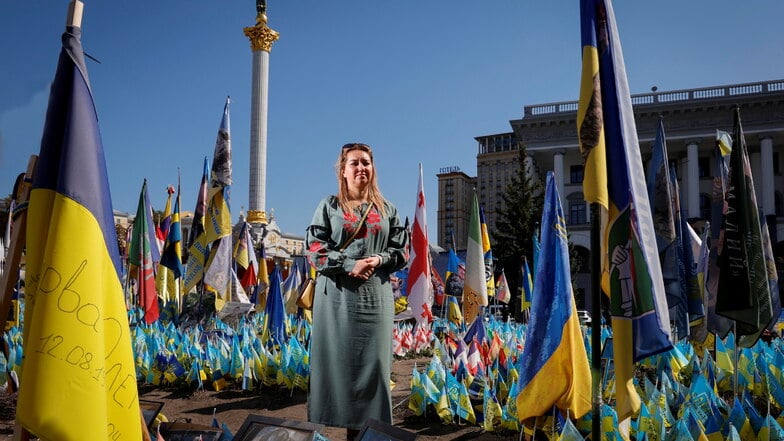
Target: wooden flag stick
{"points": [[11, 268], [75, 10]]}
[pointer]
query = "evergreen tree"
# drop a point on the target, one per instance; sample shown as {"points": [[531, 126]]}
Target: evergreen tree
{"points": [[517, 222]]}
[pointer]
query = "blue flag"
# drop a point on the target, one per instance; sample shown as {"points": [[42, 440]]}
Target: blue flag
{"points": [[661, 194]]}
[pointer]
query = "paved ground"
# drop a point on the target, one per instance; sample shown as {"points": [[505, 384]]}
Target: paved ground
{"points": [[233, 406]]}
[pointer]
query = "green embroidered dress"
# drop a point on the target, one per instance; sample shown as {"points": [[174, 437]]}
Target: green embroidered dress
{"points": [[351, 339]]}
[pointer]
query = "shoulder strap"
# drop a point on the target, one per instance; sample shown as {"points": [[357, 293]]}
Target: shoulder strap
{"points": [[356, 230]]}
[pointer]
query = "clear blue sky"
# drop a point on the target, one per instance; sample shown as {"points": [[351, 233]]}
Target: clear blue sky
{"points": [[417, 80]]}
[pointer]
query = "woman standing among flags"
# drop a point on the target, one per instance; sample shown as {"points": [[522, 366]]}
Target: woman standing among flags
{"points": [[355, 241]]}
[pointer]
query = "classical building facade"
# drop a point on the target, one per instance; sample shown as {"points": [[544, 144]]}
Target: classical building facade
{"points": [[691, 120]]}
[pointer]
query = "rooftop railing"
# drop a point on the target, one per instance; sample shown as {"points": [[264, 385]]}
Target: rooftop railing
{"points": [[669, 97]]}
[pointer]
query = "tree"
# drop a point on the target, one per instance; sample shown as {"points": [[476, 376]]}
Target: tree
{"points": [[517, 222]]}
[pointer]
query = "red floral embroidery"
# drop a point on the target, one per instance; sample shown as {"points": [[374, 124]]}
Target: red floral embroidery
{"points": [[351, 220], [373, 222], [351, 217], [320, 253]]}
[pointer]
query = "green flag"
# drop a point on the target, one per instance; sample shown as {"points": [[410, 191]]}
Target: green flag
{"points": [[743, 294], [475, 286]]}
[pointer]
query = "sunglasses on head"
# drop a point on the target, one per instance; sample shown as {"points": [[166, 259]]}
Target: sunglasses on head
{"points": [[355, 145]]}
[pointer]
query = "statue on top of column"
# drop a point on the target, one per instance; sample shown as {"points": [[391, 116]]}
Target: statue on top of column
{"points": [[261, 7]]}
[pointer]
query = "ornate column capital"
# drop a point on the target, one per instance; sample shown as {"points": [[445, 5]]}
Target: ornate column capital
{"points": [[261, 36], [256, 217]]}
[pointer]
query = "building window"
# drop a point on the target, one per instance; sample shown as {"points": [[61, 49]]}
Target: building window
{"points": [[577, 213], [703, 166], [576, 174], [779, 208], [705, 206], [776, 167]]}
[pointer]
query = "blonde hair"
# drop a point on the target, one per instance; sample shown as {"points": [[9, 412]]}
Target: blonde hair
{"points": [[374, 194]]}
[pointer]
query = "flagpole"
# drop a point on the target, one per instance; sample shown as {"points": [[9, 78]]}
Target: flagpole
{"points": [[596, 319], [735, 355]]}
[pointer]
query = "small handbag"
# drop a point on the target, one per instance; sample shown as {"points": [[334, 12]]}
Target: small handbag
{"points": [[306, 292], [308, 288]]}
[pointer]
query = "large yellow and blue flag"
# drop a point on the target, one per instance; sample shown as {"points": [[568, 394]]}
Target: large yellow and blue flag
{"points": [[631, 274], [170, 267], [78, 356], [198, 247], [161, 233], [218, 275], [554, 363], [488, 253], [218, 214]]}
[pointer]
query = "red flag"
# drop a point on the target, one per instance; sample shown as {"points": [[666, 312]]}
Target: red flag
{"points": [[439, 290]]}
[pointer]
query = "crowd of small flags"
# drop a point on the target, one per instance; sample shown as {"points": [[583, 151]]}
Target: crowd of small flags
{"points": [[730, 386], [469, 375]]}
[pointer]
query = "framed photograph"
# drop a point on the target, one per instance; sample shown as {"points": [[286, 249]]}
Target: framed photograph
{"points": [[235, 309], [150, 410], [260, 428], [375, 430], [177, 431]]}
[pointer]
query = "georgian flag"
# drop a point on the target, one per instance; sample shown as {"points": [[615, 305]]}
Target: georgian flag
{"points": [[419, 285]]}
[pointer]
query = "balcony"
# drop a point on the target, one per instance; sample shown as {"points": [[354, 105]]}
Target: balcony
{"points": [[675, 96]]}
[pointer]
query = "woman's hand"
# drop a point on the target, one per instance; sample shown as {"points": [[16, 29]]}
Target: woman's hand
{"points": [[364, 268]]}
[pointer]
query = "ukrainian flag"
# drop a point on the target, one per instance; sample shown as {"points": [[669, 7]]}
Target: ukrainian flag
{"points": [[488, 253], [555, 369], [78, 376], [198, 250], [631, 273]]}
